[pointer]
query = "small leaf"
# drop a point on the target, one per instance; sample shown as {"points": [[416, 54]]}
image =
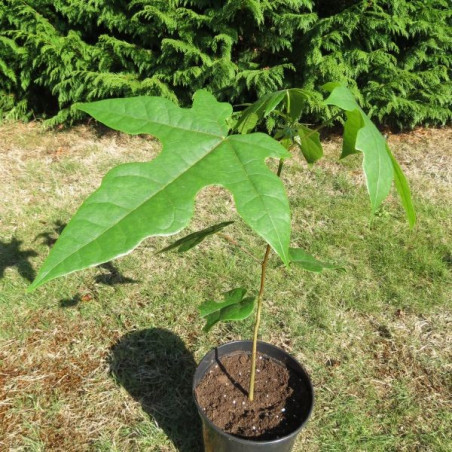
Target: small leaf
{"points": [[310, 145], [234, 307], [302, 259], [232, 297], [380, 166], [293, 100], [404, 190], [273, 102], [354, 122], [191, 240], [248, 123], [360, 134], [261, 108]]}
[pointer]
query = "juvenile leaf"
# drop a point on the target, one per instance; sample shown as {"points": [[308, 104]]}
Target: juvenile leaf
{"points": [[310, 145], [404, 190], [302, 259], [293, 100], [353, 123], [255, 112], [273, 101], [360, 134], [247, 123], [191, 240], [138, 200], [234, 307]]}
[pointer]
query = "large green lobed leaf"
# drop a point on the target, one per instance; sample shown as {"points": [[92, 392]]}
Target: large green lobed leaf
{"points": [[138, 200]]}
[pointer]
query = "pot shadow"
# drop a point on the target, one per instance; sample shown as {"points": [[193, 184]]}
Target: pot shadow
{"points": [[156, 369], [12, 256]]}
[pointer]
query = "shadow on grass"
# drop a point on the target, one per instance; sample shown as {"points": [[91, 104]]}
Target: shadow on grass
{"points": [[155, 367], [50, 237], [12, 256], [113, 277], [70, 302]]}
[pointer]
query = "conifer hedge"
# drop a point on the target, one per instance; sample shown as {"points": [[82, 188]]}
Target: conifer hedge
{"points": [[395, 54]]}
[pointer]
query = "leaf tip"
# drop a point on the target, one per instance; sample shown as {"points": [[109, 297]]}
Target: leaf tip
{"points": [[330, 86], [33, 286]]}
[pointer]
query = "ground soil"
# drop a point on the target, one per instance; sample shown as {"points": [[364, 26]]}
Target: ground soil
{"points": [[280, 402]]}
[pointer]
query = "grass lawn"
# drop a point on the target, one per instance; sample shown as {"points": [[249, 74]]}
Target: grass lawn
{"points": [[102, 360]]}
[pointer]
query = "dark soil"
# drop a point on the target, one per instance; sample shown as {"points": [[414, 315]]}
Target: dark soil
{"points": [[280, 405]]}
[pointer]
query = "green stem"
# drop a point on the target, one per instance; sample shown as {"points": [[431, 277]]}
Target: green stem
{"points": [[257, 321], [257, 324]]}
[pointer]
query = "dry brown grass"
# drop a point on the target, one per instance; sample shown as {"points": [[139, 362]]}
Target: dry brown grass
{"points": [[27, 149], [52, 363], [426, 156]]}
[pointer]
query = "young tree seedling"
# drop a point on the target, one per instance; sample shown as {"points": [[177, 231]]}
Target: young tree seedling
{"points": [[202, 146]]}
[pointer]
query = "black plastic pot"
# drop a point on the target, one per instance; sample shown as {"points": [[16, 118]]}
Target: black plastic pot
{"points": [[215, 439]]}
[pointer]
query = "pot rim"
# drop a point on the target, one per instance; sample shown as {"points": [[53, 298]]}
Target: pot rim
{"points": [[251, 441]]}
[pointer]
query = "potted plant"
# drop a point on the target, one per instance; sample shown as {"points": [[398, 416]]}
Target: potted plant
{"points": [[208, 145]]}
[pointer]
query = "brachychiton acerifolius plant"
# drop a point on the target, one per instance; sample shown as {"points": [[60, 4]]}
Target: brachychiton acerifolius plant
{"points": [[207, 145]]}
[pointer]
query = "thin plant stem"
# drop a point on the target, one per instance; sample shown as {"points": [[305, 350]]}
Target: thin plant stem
{"points": [[257, 324], [260, 298]]}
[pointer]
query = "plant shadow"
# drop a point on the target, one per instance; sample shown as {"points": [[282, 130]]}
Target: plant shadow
{"points": [[113, 276], [156, 369], [50, 237], [12, 256], [70, 302]]}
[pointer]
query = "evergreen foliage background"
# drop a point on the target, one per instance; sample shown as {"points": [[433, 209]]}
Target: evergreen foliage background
{"points": [[395, 54]]}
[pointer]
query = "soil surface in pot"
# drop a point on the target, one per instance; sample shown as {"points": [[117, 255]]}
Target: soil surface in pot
{"points": [[280, 405]]}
